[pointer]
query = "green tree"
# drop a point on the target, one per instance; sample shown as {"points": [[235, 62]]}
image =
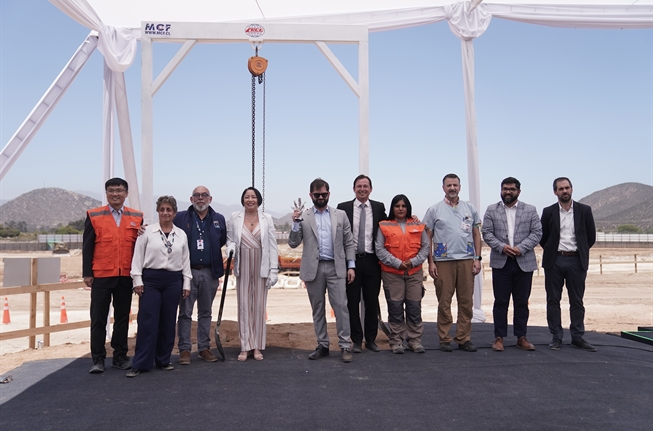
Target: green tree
{"points": [[8, 232], [66, 230], [628, 228], [77, 224]]}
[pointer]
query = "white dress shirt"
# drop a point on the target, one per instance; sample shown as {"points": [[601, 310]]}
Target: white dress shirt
{"points": [[511, 213], [151, 252], [369, 224], [567, 230]]}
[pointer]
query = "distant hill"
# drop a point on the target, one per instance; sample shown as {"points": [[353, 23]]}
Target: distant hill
{"points": [[627, 203], [46, 208]]}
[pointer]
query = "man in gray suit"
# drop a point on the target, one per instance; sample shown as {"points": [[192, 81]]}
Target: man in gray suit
{"points": [[512, 229], [327, 265]]}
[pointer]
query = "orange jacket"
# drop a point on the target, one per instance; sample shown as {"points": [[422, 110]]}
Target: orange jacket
{"points": [[114, 246], [402, 245]]}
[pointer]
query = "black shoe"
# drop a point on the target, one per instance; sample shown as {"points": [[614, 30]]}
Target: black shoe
{"points": [[372, 346], [133, 373], [583, 345], [445, 347], [357, 348], [98, 366], [121, 362], [555, 344], [467, 346], [320, 351], [166, 367], [346, 355]]}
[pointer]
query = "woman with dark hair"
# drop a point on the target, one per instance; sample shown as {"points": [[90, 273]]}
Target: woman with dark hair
{"points": [[161, 274], [251, 237], [402, 246]]}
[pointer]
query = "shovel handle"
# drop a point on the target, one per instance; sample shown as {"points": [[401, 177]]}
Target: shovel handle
{"points": [[224, 287]]}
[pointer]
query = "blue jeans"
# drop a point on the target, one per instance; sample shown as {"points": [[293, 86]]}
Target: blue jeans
{"points": [[202, 289]]}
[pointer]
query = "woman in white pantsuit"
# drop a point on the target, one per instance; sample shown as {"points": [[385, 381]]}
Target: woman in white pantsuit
{"points": [[251, 236]]}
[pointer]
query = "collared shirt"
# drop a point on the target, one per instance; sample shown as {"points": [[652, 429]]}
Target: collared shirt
{"points": [[452, 227], [369, 224], [117, 214], [567, 230], [151, 252], [324, 239], [511, 213]]}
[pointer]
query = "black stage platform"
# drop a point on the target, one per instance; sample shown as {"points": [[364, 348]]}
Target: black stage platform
{"points": [[569, 389]]}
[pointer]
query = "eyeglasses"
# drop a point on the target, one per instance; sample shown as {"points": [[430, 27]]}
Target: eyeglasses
{"points": [[201, 195], [508, 189], [115, 191], [320, 195]]}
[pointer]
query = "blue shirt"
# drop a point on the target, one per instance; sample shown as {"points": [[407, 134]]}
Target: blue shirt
{"points": [[323, 223], [197, 232]]}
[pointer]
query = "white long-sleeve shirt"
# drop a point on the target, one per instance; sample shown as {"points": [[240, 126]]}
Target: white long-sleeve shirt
{"points": [[151, 252]]}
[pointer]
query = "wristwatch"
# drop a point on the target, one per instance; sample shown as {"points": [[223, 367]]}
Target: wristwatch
{"points": [[479, 258]]}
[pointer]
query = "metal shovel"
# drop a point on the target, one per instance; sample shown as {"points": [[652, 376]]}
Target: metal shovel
{"points": [[218, 343]]}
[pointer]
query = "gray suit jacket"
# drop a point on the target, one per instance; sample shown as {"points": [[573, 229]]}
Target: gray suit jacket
{"points": [[343, 243], [528, 232]]}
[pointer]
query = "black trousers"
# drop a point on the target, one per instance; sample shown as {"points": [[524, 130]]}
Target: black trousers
{"points": [[102, 291], [367, 281], [566, 270], [506, 282]]}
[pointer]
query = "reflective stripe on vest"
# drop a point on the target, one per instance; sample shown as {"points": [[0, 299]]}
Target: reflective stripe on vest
{"points": [[114, 246], [402, 245]]}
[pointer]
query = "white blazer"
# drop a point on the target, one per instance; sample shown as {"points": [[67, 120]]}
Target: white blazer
{"points": [[270, 257]]}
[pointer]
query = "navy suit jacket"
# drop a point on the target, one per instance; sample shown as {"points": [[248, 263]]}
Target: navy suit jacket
{"points": [[585, 232]]}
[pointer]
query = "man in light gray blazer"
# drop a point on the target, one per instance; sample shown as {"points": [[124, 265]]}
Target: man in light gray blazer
{"points": [[328, 263], [512, 229]]}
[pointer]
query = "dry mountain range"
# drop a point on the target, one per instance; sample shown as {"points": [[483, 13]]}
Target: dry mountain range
{"points": [[627, 203]]}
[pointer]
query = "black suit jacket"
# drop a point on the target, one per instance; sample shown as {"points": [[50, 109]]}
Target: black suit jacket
{"points": [[584, 228], [378, 214]]}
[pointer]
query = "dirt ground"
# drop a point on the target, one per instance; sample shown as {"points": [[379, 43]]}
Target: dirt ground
{"points": [[619, 299]]}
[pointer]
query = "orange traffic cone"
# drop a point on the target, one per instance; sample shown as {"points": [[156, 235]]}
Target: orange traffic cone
{"points": [[333, 313], [64, 315], [5, 313], [130, 316]]}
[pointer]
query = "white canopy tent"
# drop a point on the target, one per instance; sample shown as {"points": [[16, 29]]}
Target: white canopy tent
{"points": [[117, 25]]}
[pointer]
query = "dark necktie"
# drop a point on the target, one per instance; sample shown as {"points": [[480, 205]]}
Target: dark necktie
{"points": [[361, 231]]}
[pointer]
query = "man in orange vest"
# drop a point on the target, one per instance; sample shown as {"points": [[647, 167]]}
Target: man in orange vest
{"points": [[109, 236]]}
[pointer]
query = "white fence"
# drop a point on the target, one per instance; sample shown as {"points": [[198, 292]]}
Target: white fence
{"points": [[623, 237]]}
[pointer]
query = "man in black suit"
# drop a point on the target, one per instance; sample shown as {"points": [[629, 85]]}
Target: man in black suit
{"points": [[568, 232], [368, 270]]}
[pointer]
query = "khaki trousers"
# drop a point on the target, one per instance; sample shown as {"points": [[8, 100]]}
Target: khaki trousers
{"points": [[404, 296], [455, 276]]}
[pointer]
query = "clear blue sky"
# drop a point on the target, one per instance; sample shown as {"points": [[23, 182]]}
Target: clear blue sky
{"points": [[550, 102]]}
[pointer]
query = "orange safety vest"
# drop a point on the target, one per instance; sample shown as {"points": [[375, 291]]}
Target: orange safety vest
{"points": [[114, 245], [402, 245]]}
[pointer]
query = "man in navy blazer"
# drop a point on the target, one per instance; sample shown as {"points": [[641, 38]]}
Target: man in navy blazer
{"points": [[368, 270], [512, 229], [568, 232]]}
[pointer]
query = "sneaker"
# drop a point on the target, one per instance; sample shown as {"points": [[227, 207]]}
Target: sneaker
{"points": [[133, 373], [397, 349], [184, 357], [98, 366], [417, 348], [121, 362], [208, 356], [166, 367], [445, 347], [467, 346], [555, 344]]}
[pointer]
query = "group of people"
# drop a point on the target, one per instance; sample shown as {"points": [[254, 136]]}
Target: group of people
{"points": [[348, 252], [350, 249], [171, 265]]}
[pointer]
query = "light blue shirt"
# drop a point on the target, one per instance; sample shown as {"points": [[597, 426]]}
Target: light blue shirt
{"points": [[323, 223]]}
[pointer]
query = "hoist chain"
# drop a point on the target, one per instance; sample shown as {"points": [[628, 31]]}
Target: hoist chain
{"points": [[253, 128], [263, 143]]}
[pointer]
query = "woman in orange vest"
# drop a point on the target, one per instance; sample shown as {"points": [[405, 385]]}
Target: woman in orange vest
{"points": [[402, 246]]}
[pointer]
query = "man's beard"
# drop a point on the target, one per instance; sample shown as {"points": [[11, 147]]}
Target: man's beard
{"points": [[318, 205], [199, 207], [507, 199]]}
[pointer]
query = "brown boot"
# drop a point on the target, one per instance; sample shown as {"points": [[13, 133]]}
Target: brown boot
{"points": [[184, 357], [497, 346], [208, 356]]}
